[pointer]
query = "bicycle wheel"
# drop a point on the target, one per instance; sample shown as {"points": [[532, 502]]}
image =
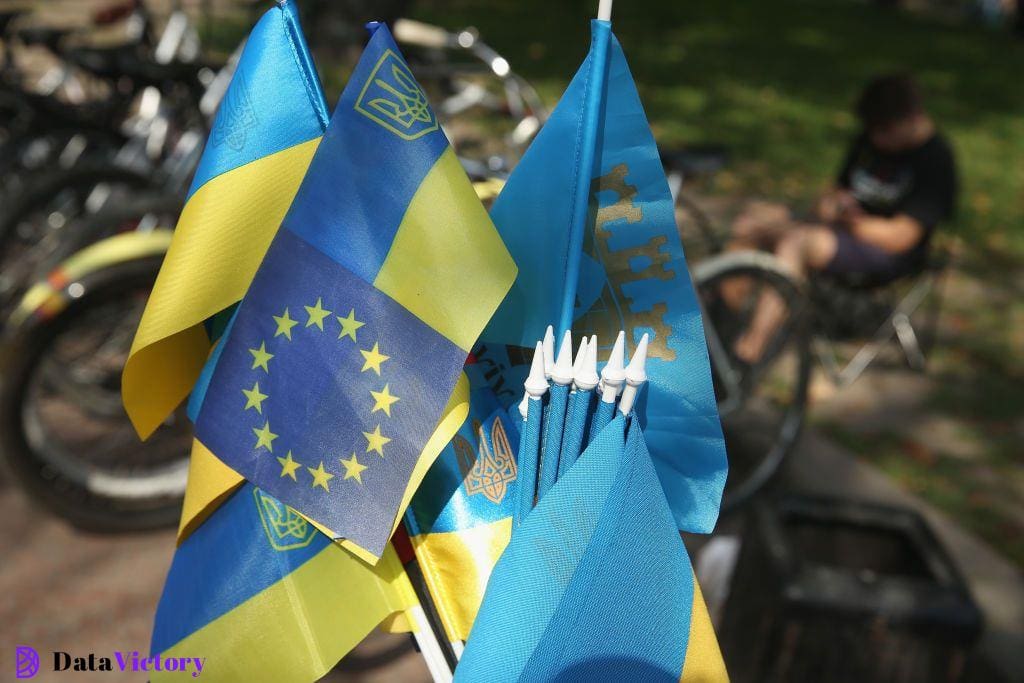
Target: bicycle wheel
{"points": [[37, 227], [700, 237], [762, 404], [63, 432]]}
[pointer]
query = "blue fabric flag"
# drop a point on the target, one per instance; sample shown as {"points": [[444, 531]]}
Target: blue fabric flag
{"points": [[329, 384], [595, 584], [459, 521], [633, 276]]}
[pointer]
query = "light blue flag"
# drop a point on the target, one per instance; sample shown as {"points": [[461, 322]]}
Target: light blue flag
{"points": [[596, 584], [633, 276]]}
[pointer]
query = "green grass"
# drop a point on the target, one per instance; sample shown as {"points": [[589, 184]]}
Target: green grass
{"points": [[774, 81]]}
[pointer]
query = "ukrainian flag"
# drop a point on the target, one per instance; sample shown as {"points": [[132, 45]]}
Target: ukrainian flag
{"points": [[262, 140], [596, 584], [460, 518], [329, 385], [261, 595]]}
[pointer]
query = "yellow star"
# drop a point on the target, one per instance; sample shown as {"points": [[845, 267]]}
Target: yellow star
{"points": [[383, 399], [284, 325], [353, 469], [373, 359], [321, 476], [260, 357], [317, 314], [254, 399], [265, 437], [288, 466], [349, 325], [375, 441]]}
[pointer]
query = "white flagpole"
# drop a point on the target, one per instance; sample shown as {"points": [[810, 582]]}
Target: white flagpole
{"points": [[430, 648], [604, 10]]}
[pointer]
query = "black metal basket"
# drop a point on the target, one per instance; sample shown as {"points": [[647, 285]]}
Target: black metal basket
{"points": [[833, 590]]}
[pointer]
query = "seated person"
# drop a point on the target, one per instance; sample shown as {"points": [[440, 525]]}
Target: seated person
{"points": [[897, 182]]}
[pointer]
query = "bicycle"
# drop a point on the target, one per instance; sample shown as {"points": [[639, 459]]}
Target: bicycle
{"points": [[99, 484]]}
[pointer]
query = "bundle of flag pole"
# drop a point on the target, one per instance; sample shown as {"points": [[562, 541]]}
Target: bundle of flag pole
{"points": [[596, 584], [326, 284]]}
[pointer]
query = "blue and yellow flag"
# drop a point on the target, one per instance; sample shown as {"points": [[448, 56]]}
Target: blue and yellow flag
{"points": [[259, 594], [460, 518], [596, 584], [263, 137], [262, 140], [633, 276], [331, 380]]}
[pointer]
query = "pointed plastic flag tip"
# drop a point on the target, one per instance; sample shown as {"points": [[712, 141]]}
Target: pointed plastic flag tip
{"points": [[614, 372], [586, 377], [636, 371], [562, 372], [581, 358], [536, 383], [549, 351]]}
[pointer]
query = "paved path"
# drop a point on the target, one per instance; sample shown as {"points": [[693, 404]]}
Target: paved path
{"points": [[67, 590]]}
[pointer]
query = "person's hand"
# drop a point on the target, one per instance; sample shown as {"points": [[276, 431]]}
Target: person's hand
{"points": [[828, 208], [848, 209]]}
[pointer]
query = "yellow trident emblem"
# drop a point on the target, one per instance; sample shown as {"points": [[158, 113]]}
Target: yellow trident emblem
{"points": [[494, 469], [392, 98], [286, 529]]}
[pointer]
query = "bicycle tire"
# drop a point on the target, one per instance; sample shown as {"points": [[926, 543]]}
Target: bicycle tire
{"points": [[36, 197], [711, 242], [766, 269], [63, 491]]}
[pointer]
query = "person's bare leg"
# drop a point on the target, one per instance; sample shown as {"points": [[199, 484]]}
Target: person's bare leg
{"points": [[807, 247], [759, 226]]}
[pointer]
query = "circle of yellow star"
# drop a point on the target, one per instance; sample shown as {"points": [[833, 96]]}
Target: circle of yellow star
{"points": [[353, 469], [284, 325], [321, 476], [260, 357], [349, 325], [375, 441], [383, 400], [265, 437], [373, 359], [288, 466], [254, 398], [317, 314]]}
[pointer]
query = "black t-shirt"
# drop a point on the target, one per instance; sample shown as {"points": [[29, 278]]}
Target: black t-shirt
{"points": [[920, 183]]}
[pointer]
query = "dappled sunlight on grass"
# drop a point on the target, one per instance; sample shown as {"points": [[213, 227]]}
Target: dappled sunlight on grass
{"points": [[775, 80]]}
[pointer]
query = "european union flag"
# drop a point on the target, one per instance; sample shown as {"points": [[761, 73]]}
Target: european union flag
{"points": [[341, 357]]}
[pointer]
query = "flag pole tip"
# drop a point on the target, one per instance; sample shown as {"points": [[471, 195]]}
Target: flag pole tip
{"points": [[636, 371], [581, 358], [586, 378], [549, 351], [536, 383], [614, 372], [562, 372]]}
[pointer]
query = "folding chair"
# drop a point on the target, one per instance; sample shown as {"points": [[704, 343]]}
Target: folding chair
{"points": [[852, 305]]}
